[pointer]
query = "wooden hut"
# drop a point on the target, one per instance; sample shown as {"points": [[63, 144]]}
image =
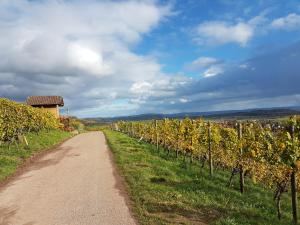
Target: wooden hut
{"points": [[49, 103]]}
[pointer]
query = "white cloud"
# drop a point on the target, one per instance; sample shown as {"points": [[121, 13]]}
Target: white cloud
{"points": [[158, 90], [201, 63], [141, 87], [290, 22], [244, 66], [213, 71], [183, 100], [207, 66], [218, 33], [82, 51], [87, 60]]}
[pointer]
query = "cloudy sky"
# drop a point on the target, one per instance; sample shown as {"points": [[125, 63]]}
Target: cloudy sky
{"points": [[111, 58]]}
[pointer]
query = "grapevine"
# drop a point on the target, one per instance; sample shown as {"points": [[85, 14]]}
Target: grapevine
{"points": [[18, 119], [268, 153]]}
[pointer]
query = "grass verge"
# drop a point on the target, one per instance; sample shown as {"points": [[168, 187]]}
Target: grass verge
{"points": [[165, 190], [11, 159]]}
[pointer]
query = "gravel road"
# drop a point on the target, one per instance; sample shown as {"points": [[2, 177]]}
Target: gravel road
{"points": [[76, 184]]}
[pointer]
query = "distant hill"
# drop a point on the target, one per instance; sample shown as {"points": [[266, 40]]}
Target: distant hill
{"points": [[268, 113]]}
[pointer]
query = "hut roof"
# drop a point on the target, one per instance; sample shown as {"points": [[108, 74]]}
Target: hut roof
{"points": [[45, 100]]}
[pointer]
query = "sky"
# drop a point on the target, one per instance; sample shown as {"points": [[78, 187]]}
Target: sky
{"points": [[126, 57]]}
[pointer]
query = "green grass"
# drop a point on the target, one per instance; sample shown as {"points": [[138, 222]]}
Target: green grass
{"points": [[165, 190], [95, 127], [11, 159]]}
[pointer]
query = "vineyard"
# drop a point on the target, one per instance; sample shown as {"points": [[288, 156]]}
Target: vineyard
{"points": [[17, 119], [268, 153], [24, 132]]}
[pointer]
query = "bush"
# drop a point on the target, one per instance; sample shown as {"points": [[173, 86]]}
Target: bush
{"points": [[18, 119]]}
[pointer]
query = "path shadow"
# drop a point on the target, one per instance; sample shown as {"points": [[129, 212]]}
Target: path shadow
{"points": [[7, 214], [60, 154], [56, 157]]}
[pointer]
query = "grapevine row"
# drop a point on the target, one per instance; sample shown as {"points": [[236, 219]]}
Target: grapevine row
{"points": [[266, 153], [18, 119]]}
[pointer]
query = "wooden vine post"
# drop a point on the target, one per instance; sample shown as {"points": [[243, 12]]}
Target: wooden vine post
{"points": [[177, 141], [25, 140], [164, 136], [294, 185], [156, 135], [132, 129], [294, 196], [210, 150], [241, 170], [192, 144]]}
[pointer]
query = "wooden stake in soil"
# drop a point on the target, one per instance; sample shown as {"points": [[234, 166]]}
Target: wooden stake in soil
{"points": [[25, 140], [294, 185], [210, 150], [132, 129], [242, 179], [156, 134], [177, 142], [294, 196]]}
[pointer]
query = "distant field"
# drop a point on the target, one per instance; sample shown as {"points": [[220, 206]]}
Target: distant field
{"points": [[165, 190], [259, 114]]}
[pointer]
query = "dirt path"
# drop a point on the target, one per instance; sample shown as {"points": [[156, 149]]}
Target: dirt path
{"points": [[74, 185]]}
